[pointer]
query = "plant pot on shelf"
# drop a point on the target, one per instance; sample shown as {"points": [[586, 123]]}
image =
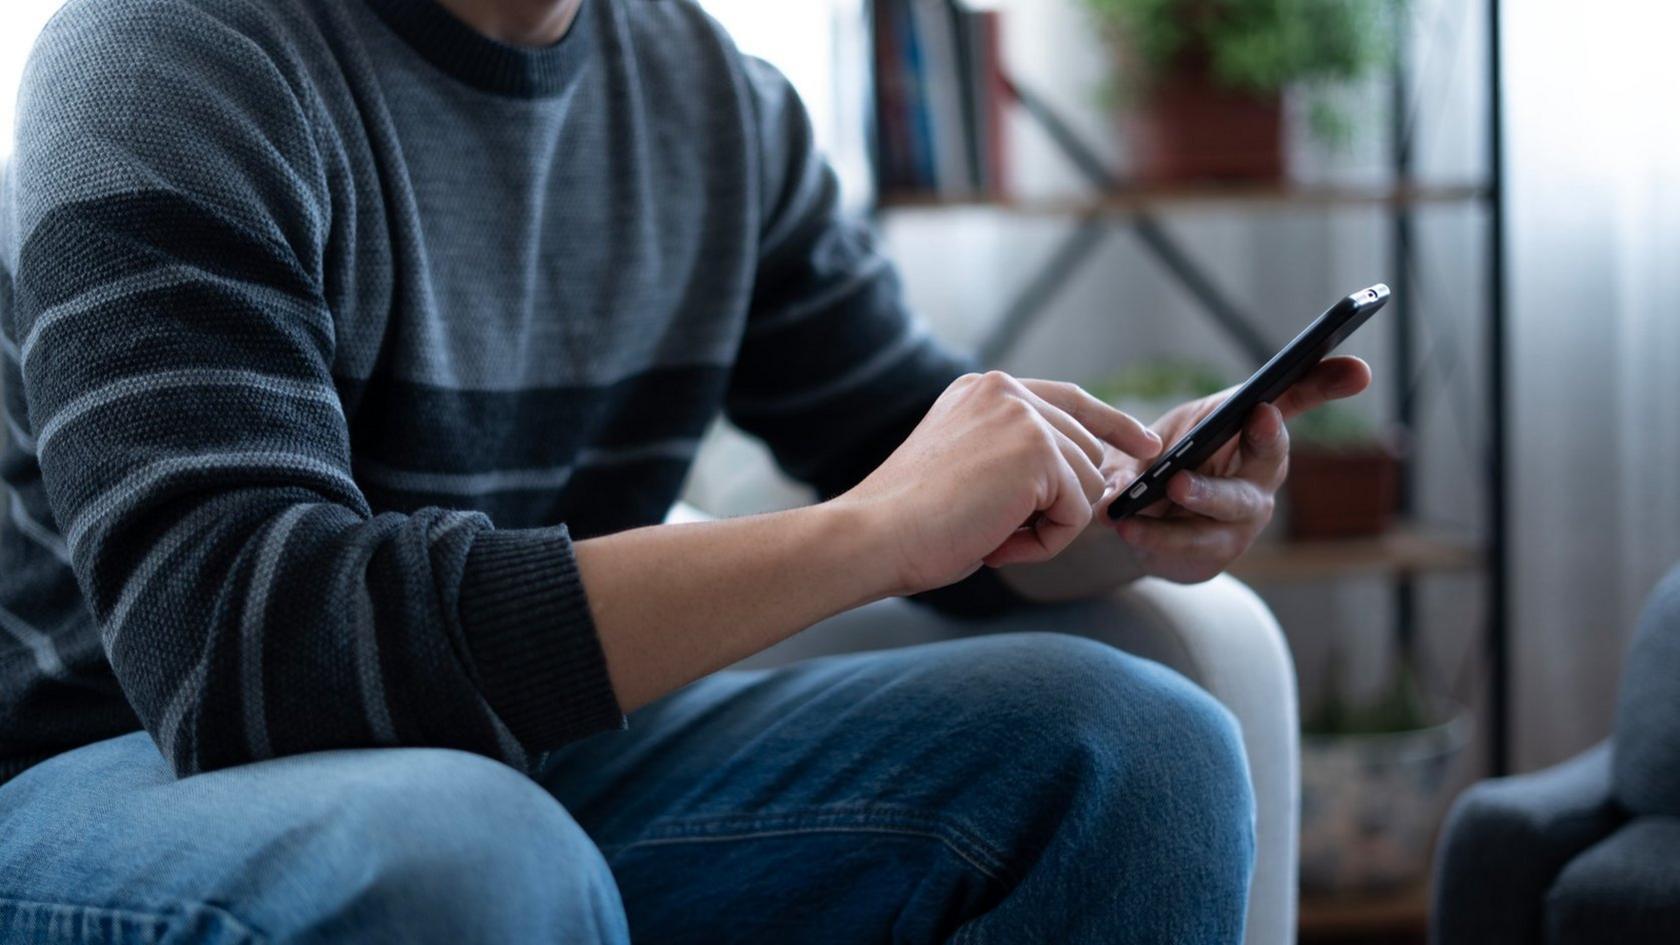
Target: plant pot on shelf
{"points": [[1187, 128], [1344, 491], [1371, 803]]}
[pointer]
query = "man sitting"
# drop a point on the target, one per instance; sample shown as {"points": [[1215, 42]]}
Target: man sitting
{"points": [[355, 350]]}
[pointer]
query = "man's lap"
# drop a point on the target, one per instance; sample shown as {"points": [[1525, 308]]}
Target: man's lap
{"points": [[880, 795], [933, 734]]}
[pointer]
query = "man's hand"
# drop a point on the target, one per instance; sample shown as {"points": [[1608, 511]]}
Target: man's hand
{"points": [[1000, 471], [1213, 514]]}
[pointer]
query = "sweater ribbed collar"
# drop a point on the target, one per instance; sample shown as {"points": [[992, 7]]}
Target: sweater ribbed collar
{"points": [[484, 63]]}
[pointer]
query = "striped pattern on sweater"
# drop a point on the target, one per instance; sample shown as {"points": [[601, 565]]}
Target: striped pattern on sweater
{"points": [[327, 328]]}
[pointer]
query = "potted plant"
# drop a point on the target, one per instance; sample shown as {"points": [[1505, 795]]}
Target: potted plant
{"points": [[1375, 780], [1344, 479], [1206, 77]]}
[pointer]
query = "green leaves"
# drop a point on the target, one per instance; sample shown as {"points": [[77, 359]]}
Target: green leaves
{"points": [[1258, 46]]}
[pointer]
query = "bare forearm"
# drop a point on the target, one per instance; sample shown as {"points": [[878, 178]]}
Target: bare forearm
{"points": [[675, 602]]}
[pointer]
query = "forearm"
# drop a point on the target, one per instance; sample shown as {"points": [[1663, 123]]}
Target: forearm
{"points": [[1096, 563], [674, 602]]}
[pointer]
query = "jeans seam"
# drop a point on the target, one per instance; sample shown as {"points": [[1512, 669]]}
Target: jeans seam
{"points": [[956, 837], [234, 923]]}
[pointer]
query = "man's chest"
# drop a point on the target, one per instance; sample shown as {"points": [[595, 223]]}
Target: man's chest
{"points": [[566, 243]]}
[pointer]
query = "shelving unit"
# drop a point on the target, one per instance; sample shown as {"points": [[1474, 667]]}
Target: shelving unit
{"points": [[1404, 551], [1249, 196], [1411, 551], [1114, 204], [1400, 915]]}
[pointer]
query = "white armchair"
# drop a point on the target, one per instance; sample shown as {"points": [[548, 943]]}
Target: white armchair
{"points": [[1218, 634]]}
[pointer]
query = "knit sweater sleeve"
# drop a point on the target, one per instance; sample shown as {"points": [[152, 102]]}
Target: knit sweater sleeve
{"points": [[175, 351], [834, 372]]}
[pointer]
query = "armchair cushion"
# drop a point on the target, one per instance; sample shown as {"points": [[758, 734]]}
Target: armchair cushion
{"points": [[1624, 889], [1647, 766]]}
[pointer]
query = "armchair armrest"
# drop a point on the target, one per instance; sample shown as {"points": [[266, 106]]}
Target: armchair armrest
{"points": [[1505, 842]]}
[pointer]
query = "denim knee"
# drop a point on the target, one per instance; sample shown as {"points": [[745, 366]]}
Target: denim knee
{"points": [[1131, 812], [1126, 742], [436, 845]]}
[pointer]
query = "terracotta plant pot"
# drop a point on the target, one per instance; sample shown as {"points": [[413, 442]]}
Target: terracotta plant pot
{"points": [[1186, 129], [1347, 492]]}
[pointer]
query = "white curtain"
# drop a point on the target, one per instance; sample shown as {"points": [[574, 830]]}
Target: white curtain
{"points": [[1595, 281]]}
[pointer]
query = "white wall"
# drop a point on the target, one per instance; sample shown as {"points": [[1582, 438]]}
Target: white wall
{"points": [[1595, 229]]}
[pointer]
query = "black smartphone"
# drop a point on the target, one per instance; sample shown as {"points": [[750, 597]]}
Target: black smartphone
{"points": [[1285, 368]]}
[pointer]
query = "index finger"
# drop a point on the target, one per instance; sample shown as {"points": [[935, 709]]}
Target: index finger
{"points": [[1116, 427]]}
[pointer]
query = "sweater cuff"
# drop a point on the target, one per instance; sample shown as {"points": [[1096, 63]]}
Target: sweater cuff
{"points": [[532, 639]]}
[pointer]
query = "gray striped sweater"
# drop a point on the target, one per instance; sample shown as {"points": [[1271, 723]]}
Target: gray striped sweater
{"points": [[330, 324]]}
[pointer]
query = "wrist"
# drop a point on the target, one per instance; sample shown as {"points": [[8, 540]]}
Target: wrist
{"points": [[860, 543]]}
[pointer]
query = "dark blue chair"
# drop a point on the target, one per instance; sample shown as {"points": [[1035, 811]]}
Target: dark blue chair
{"points": [[1587, 851]]}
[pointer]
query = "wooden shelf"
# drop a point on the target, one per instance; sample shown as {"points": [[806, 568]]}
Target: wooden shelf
{"points": [[1177, 197], [1404, 550], [1403, 912]]}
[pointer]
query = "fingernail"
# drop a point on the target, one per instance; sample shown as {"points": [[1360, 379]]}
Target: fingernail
{"points": [[1198, 487]]}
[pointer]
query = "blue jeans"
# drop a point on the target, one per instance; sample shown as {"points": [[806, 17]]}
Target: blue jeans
{"points": [[1003, 789]]}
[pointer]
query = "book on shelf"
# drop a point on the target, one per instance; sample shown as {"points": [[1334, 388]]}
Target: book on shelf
{"points": [[939, 97]]}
